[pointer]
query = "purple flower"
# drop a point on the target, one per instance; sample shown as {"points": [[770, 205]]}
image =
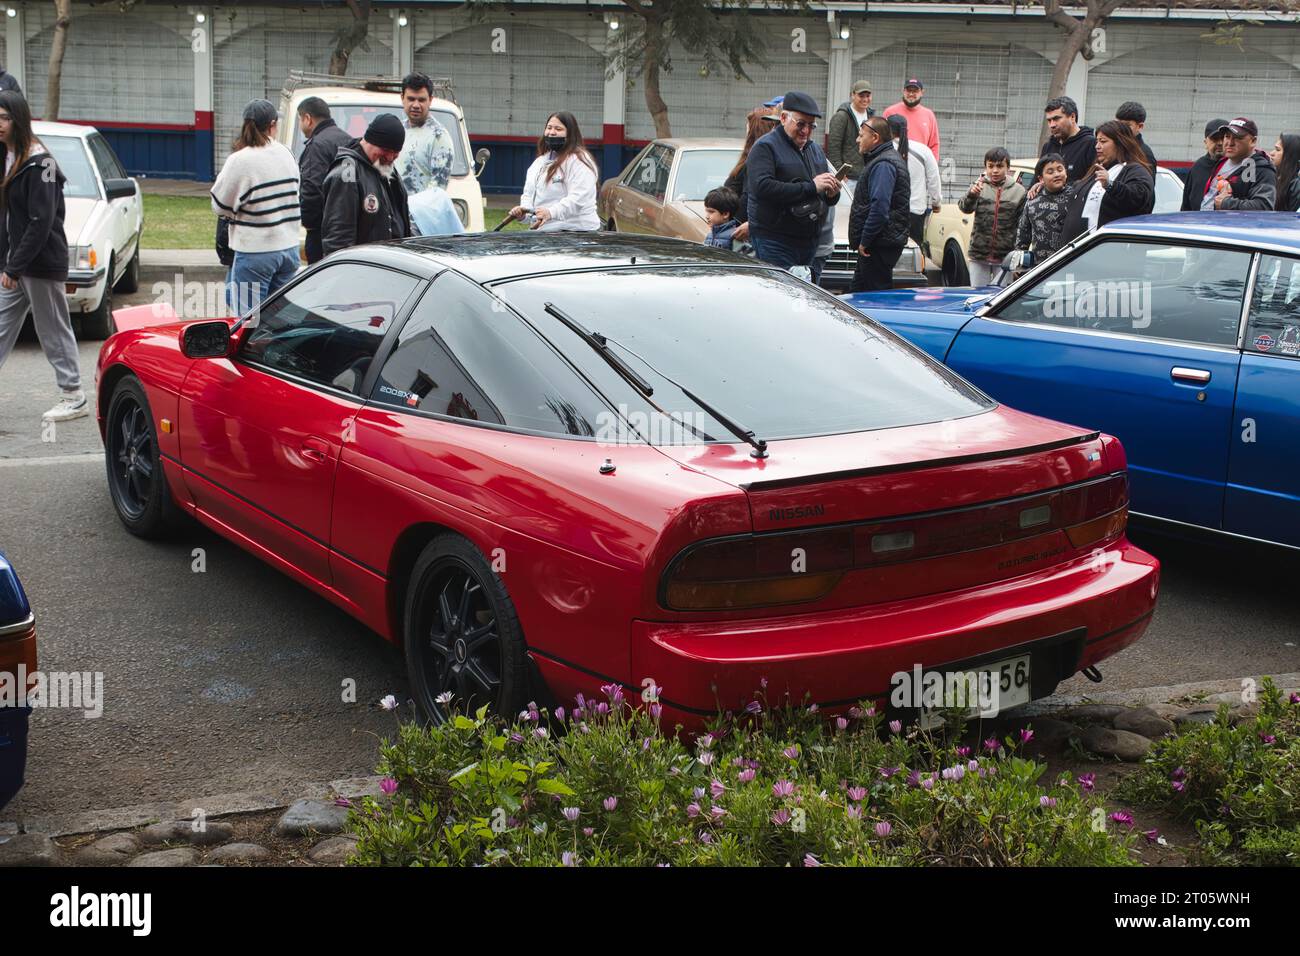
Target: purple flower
{"points": [[342, 802], [754, 708], [1046, 801], [914, 778], [927, 783], [568, 858], [883, 829], [991, 745], [895, 726], [1295, 697], [645, 743], [1178, 785], [705, 742], [692, 810], [745, 775], [1268, 738], [717, 812], [782, 788], [580, 701], [963, 751], [781, 817], [973, 765], [810, 860], [888, 772], [791, 752], [855, 712], [588, 831], [656, 711], [762, 682], [699, 793], [1151, 835], [871, 711], [516, 737], [388, 785], [857, 794], [602, 708], [610, 803], [1026, 735], [706, 837], [571, 813], [389, 703], [841, 723], [559, 714], [854, 811], [1178, 774], [706, 758], [1122, 817], [539, 733], [717, 788], [1088, 781]]}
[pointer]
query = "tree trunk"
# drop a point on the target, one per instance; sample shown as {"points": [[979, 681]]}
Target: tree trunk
{"points": [[54, 84], [654, 102], [1071, 47], [350, 38]]}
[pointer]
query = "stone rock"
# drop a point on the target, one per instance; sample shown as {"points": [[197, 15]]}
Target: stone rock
{"points": [[1198, 715], [182, 831], [239, 853], [1108, 742], [28, 849], [334, 851], [1169, 712], [311, 816], [180, 856], [1244, 712], [1145, 722], [114, 849], [1095, 713], [1050, 733]]}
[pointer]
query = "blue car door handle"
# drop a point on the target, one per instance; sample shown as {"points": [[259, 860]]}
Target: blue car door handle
{"points": [[1193, 376]]}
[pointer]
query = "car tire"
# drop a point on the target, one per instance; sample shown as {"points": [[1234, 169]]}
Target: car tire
{"points": [[136, 482], [462, 634], [130, 281], [99, 323], [955, 272]]}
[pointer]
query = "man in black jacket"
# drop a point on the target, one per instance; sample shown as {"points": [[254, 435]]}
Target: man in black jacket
{"points": [[1134, 115], [1075, 143], [1245, 178], [34, 253], [846, 124], [1199, 174], [324, 139], [878, 219], [364, 197], [790, 187]]}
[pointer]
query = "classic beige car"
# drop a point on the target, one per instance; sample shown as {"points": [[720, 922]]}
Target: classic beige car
{"points": [[947, 236], [661, 192]]}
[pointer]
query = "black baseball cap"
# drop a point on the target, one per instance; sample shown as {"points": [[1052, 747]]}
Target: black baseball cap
{"points": [[1214, 127], [801, 103], [913, 81], [1242, 127]]}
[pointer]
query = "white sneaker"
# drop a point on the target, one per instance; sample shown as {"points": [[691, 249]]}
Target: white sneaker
{"points": [[72, 405]]}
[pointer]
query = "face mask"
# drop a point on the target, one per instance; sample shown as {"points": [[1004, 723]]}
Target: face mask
{"points": [[554, 142]]}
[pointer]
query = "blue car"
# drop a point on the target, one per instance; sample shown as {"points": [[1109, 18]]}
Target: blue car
{"points": [[17, 656], [1179, 334]]}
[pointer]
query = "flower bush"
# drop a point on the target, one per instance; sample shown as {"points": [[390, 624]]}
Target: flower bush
{"points": [[603, 785], [1239, 785]]}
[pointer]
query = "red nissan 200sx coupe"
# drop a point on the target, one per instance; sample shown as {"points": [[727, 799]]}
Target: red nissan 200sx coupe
{"points": [[547, 463]]}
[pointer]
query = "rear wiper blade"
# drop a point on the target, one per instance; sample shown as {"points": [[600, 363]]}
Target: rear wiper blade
{"points": [[600, 344]]}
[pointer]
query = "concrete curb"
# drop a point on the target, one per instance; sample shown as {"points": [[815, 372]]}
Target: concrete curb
{"points": [[220, 805]]}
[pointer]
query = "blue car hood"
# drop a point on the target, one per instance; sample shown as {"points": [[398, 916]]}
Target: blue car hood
{"points": [[921, 299]]}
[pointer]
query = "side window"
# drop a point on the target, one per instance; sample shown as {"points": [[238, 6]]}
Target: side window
{"points": [[1149, 289], [105, 159], [1273, 325], [327, 328], [1025, 178], [651, 174], [459, 356]]}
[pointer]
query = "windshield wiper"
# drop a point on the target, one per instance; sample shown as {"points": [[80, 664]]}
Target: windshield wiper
{"points": [[600, 344]]}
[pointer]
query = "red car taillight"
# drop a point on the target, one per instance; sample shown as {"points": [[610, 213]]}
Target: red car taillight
{"points": [[796, 567]]}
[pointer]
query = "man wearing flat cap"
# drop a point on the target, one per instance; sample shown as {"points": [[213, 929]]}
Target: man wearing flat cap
{"points": [[790, 186], [364, 197]]}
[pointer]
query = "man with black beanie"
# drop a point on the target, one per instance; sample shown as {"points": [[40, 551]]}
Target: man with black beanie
{"points": [[364, 197]]}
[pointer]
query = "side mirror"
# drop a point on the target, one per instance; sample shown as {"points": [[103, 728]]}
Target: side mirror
{"points": [[206, 340], [119, 188], [480, 160]]}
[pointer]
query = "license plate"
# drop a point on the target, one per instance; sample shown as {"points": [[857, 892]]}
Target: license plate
{"points": [[1005, 684]]}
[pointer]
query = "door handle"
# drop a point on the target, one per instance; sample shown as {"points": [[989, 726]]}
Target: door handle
{"points": [[315, 449], [1193, 376]]}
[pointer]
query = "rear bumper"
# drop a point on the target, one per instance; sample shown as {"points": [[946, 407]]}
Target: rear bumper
{"points": [[1069, 617]]}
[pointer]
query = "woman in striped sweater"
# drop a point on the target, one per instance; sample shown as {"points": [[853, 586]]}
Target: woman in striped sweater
{"points": [[257, 191]]}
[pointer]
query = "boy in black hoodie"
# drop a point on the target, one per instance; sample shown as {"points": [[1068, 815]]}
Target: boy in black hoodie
{"points": [[34, 253]]}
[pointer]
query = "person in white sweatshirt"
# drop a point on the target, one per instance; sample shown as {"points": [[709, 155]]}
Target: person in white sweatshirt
{"points": [[923, 169], [560, 187], [257, 191]]}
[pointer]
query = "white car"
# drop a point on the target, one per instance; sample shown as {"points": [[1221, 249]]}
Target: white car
{"points": [[104, 217]]}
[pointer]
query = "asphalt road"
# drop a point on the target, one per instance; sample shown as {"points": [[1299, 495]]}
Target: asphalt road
{"points": [[232, 679]]}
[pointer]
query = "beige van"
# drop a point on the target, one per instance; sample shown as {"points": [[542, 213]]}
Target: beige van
{"points": [[354, 101]]}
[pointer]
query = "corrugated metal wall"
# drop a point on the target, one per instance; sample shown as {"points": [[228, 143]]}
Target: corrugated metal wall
{"points": [[716, 105], [256, 48]]}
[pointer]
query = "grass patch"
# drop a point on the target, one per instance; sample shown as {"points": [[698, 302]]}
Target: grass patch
{"points": [[178, 222]]}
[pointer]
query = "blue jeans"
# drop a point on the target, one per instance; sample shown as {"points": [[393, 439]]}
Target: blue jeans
{"points": [[783, 251], [255, 275]]}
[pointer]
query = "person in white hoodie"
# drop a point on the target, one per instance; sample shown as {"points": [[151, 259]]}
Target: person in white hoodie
{"points": [[560, 187], [257, 191], [927, 188]]}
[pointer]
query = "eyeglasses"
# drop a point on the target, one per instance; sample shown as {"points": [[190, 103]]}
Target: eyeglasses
{"points": [[805, 124]]}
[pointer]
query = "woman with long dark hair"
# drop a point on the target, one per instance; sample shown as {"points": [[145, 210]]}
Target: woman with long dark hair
{"points": [[757, 122], [257, 191], [1121, 184], [560, 187], [1286, 157], [34, 253]]}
